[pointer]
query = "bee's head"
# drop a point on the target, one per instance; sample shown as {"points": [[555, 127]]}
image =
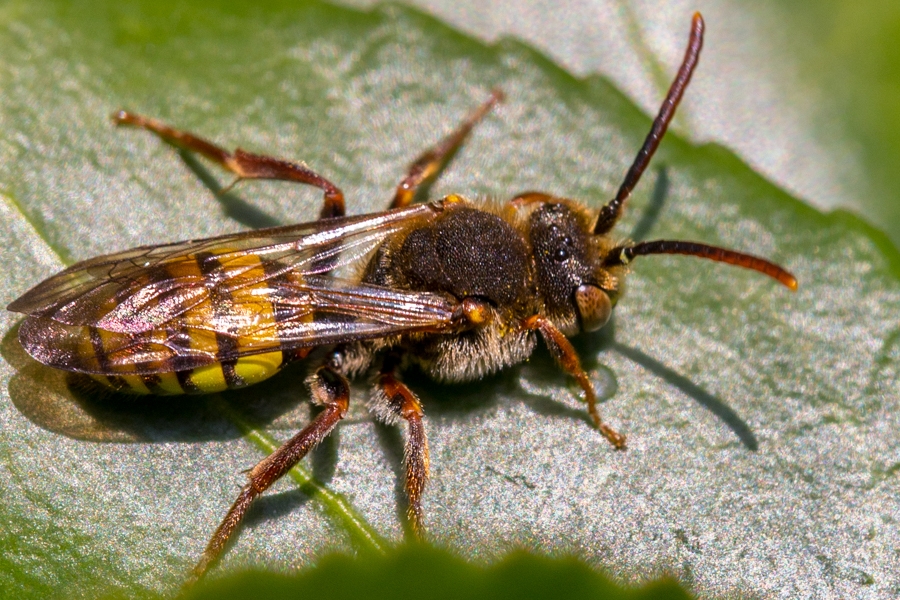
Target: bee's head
{"points": [[580, 271], [577, 289]]}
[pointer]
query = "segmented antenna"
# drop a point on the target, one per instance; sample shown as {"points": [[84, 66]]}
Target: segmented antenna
{"points": [[625, 254], [610, 213]]}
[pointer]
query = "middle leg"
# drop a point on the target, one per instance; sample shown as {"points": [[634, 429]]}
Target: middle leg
{"points": [[394, 401]]}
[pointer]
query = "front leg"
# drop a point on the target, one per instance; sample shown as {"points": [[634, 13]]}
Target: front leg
{"points": [[566, 357]]}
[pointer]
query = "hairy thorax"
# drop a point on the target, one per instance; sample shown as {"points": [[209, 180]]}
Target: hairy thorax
{"points": [[465, 253]]}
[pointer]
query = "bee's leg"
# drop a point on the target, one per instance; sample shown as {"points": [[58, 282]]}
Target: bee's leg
{"points": [[567, 358], [430, 163], [394, 401], [330, 390], [243, 164]]}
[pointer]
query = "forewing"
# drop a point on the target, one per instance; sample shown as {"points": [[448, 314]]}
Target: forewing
{"points": [[189, 304], [321, 311], [146, 287]]}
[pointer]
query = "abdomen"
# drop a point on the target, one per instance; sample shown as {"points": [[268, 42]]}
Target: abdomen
{"points": [[209, 338], [209, 379]]}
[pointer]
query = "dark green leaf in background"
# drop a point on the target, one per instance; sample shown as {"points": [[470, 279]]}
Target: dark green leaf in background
{"points": [[763, 425], [415, 572]]}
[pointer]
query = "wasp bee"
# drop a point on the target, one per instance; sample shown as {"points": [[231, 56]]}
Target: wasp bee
{"points": [[457, 289]]}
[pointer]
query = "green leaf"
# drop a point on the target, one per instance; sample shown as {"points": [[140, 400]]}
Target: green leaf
{"points": [[762, 425], [416, 572], [805, 92]]}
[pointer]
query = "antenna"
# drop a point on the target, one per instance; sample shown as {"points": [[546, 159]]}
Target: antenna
{"points": [[610, 213], [625, 254]]}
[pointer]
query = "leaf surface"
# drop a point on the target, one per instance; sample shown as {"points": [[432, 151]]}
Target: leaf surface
{"points": [[763, 425]]}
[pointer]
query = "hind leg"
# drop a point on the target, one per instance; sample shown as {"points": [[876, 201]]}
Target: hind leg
{"points": [[244, 165], [330, 390]]}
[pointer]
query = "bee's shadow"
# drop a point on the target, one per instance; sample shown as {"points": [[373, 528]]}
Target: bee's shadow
{"points": [[77, 407], [657, 201], [593, 346], [234, 206]]}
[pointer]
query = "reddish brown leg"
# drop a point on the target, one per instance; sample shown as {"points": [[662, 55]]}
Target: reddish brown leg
{"points": [[243, 164], [328, 389], [567, 358], [394, 401], [432, 161]]}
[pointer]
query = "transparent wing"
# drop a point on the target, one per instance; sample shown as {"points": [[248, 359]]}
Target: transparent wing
{"points": [[322, 311], [144, 287], [184, 305]]}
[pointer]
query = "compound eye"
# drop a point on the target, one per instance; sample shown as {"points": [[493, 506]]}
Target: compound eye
{"points": [[594, 307]]}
